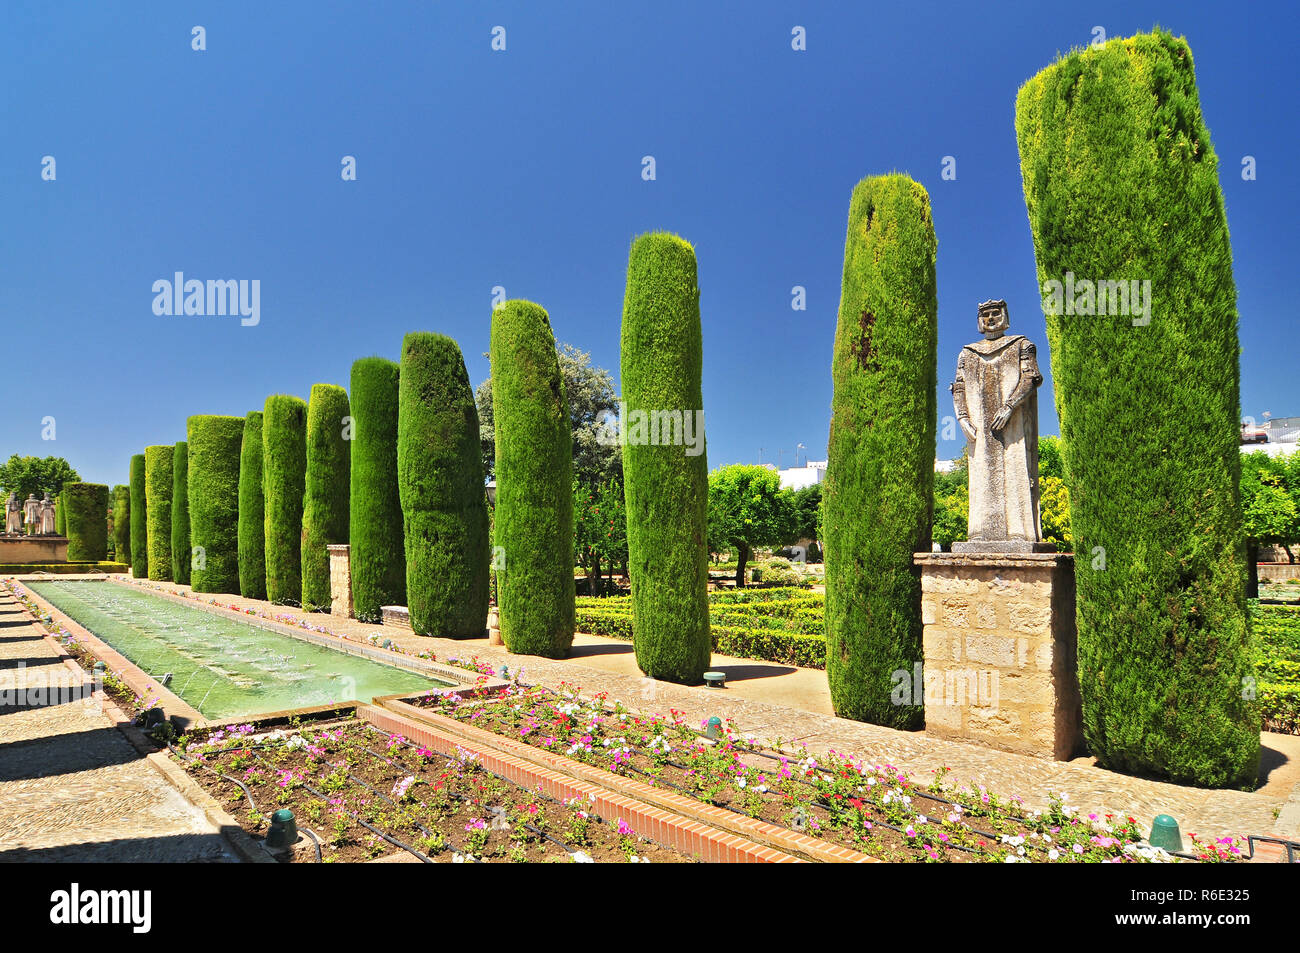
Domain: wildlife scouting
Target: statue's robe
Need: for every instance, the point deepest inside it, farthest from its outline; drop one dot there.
(32, 513)
(13, 517)
(47, 518)
(1004, 465)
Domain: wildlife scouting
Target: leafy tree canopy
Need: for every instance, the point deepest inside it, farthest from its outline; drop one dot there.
(39, 475)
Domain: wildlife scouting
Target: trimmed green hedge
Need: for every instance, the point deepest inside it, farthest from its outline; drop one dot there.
(666, 488)
(158, 500)
(64, 569)
(284, 477)
(1276, 652)
(60, 523)
(214, 445)
(534, 472)
(440, 480)
(180, 515)
(139, 520)
(252, 511)
(121, 523)
(377, 553)
(86, 513)
(325, 504)
(880, 472)
(1121, 185)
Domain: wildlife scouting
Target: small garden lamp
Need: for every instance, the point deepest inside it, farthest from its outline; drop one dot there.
(284, 830)
(714, 729)
(1165, 834)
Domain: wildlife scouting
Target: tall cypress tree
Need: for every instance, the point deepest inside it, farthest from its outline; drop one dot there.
(284, 477)
(86, 506)
(325, 506)
(139, 520)
(252, 511)
(180, 515)
(158, 496)
(1122, 188)
(214, 442)
(440, 480)
(666, 476)
(377, 553)
(880, 470)
(534, 468)
(122, 523)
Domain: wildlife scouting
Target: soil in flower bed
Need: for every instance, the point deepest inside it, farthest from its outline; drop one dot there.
(341, 779)
(875, 809)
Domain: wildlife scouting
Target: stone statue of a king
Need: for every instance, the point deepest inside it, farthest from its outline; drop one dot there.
(995, 396)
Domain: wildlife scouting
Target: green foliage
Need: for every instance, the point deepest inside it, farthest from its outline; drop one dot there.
(806, 513)
(746, 509)
(1051, 457)
(180, 543)
(952, 504)
(284, 476)
(158, 502)
(590, 392)
(39, 475)
(214, 458)
(880, 475)
(440, 481)
(325, 508)
(665, 487)
(599, 529)
(86, 511)
(1054, 508)
(252, 511)
(377, 552)
(121, 523)
(1121, 185)
(139, 520)
(60, 524)
(1277, 665)
(534, 500)
(1270, 498)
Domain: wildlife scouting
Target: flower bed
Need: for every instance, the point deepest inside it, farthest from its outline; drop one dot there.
(875, 809)
(364, 793)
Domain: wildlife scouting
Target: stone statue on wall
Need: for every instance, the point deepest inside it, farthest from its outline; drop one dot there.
(32, 514)
(995, 396)
(47, 516)
(13, 515)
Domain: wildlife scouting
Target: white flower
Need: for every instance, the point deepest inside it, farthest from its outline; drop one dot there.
(1053, 854)
(1077, 848)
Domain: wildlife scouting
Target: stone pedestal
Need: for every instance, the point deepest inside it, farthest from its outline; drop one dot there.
(1000, 651)
(340, 580)
(33, 549)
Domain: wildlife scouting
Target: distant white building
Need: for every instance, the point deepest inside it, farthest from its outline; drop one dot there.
(800, 478)
(945, 466)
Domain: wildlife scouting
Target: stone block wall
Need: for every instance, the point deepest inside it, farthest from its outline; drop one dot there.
(1000, 651)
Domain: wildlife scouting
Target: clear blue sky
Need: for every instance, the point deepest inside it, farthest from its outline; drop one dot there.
(523, 169)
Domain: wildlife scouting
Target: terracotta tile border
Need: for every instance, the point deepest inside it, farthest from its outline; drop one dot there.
(687, 835)
(664, 806)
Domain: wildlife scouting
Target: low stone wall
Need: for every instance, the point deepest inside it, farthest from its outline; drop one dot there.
(1000, 651)
(33, 549)
(1278, 572)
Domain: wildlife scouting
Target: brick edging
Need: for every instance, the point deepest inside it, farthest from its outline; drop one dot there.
(770, 836)
(684, 834)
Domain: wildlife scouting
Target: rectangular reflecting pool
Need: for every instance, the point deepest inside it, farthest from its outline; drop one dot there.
(223, 667)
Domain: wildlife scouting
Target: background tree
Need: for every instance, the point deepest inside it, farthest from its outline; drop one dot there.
(880, 471)
(39, 475)
(251, 536)
(284, 479)
(377, 552)
(952, 504)
(1269, 505)
(139, 520)
(121, 500)
(806, 513)
(1121, 185)
(215, 444)
(87, 518)
(747, 509)
(158, 486)
(590, 391)
(326, 501)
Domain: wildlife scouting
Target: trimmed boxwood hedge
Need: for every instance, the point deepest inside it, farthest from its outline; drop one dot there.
(1121, 185)
(284, 477)
(214, 442)
(252, 511)
(534, 472)
(139, 520)
(60, 524)
(86, 509)
(180, 515)
(121, 523)
(880, 472)
(666, 489)
(376, 549)
(440, 481)
(325, 504)
(158, 497)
